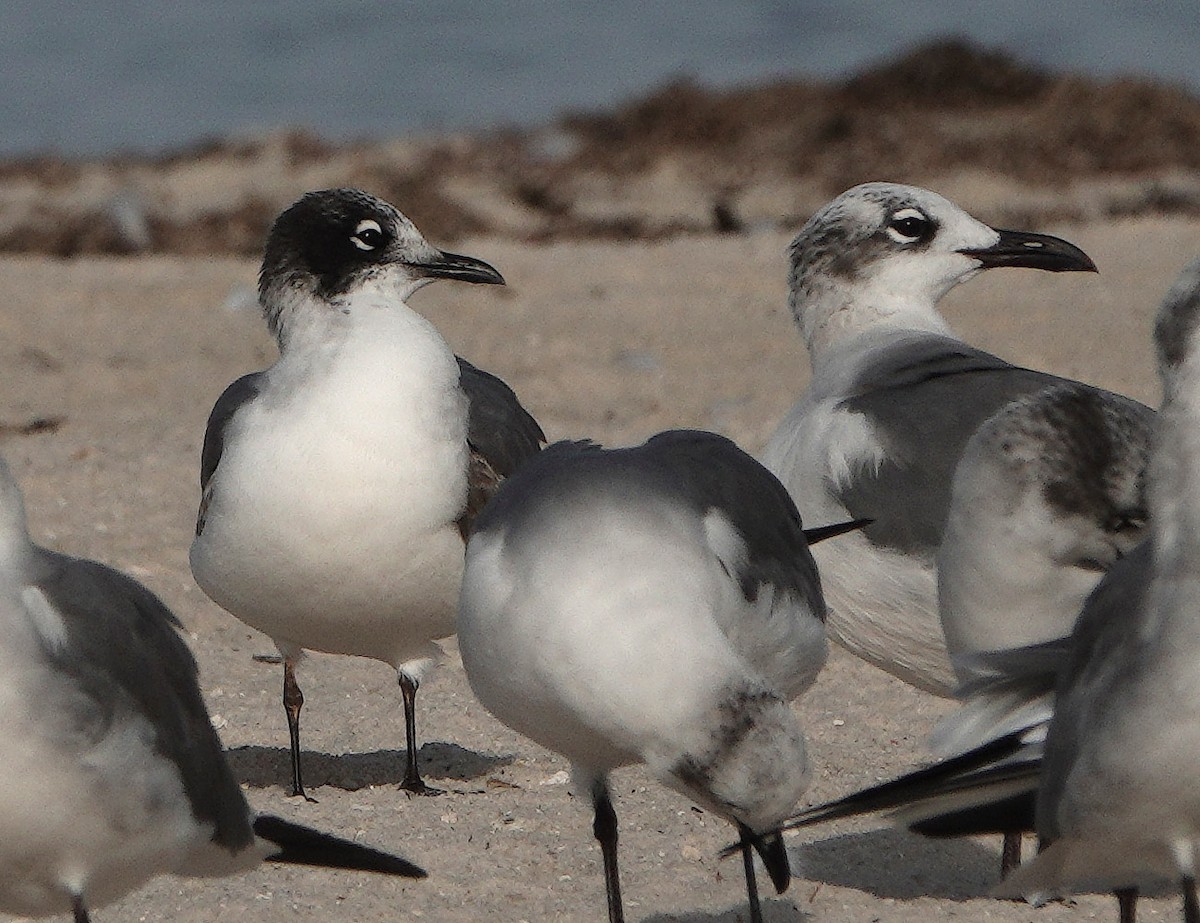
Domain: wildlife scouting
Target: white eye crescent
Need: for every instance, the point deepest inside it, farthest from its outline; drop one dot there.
(368, 235)
(907, 225)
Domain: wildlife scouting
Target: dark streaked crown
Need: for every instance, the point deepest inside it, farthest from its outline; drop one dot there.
(861, 224)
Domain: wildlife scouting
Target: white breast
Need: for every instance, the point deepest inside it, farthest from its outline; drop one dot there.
(332, 519)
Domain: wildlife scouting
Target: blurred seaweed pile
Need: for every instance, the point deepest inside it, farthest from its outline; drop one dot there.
(1011, 142)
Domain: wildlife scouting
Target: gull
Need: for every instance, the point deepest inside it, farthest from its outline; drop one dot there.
(1050, 493)
(111, 772)
(1117, 802)
(894, 397)
(654, 605)
(340, 483)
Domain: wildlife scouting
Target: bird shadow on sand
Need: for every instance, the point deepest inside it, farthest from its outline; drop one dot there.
(265, 767)
(892, 863)
(774, 910)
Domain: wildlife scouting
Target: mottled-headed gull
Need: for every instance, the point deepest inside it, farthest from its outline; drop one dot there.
(339, 484)
(111, 772)
(893, 399)
(1049, 494)
(1118, 803)
(653, 605)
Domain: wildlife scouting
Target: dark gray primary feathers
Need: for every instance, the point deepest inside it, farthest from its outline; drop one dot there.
(697, 470)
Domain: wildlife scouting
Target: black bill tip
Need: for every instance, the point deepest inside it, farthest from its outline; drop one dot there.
(773, 853)
(462, 268)
(1033, 251)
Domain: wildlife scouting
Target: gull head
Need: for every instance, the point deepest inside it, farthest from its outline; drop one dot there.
(1176, 324)
(885, 254)
(331, 244)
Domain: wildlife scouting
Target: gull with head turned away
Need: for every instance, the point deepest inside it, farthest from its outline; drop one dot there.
(654, 605)
(1117, 803)
(1050, 495)
(111, 772)
(339, 484)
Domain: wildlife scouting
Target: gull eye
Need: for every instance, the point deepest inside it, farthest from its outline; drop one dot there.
(368, 235)
(908, 225)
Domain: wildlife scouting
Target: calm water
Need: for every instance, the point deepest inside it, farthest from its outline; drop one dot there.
(90, 78)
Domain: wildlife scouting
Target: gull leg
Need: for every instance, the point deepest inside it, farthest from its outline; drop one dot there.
(604, 826)
(1010, 853)
(412, 777)
(751, 880)
(293, 701)
(1191, 907)
(79, 910)
(1126, 904)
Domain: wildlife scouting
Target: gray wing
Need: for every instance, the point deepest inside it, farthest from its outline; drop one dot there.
(924, 400)
(1012, 690)
(242, 391)
(1033, 668)
(124, 653)
(1104, 652)
(498, 427)
(708, 471)
(501, 434)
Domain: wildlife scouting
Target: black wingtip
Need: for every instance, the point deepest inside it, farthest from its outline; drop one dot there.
(300, 845)
(820, 533)
(773, 853)
(905, 789)
(1016, 814)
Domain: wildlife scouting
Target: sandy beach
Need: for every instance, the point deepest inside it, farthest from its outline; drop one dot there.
(112, 364)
